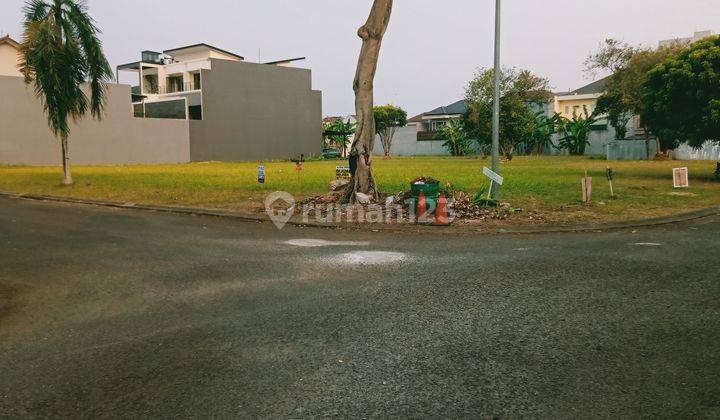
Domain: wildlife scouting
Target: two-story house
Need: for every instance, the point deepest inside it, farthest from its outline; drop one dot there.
(174, 75)
(195, 103)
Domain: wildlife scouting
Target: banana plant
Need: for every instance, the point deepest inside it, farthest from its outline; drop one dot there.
(544, 128)
(575, 132)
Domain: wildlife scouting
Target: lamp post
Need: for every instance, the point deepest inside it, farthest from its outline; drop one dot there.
(495, 190)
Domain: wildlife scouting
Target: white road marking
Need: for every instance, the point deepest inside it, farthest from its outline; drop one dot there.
(368, 258)
(318, 243)
(646, 244)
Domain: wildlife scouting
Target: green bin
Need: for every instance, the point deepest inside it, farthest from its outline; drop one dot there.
(432, 193)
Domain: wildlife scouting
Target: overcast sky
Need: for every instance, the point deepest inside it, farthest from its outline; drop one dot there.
(431, 50)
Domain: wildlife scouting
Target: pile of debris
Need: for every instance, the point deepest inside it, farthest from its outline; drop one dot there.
(462, 206)
(465, 209)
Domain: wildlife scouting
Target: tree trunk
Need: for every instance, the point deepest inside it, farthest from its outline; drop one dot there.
(386, 139)
(67, 177)
(361, 151)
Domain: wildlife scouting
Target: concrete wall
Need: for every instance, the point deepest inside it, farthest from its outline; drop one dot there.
(256, 112)
(598, 143)
(631, 149)
(405, 143)
(119, 139)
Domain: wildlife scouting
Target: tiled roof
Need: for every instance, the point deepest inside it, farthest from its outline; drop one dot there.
(595, 87)
(457, 108)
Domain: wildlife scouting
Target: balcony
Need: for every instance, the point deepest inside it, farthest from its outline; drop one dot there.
(178, 88)
(429, 136)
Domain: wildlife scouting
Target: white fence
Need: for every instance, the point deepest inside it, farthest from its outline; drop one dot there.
(709, 151)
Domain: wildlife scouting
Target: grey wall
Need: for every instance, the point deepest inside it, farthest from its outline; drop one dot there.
(405, 144)
(631, 149)
(598, 143)
(174, 109)
(256, 112)
(119, 139)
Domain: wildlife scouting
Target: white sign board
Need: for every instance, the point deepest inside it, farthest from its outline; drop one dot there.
(681, 177)
(261, 174)
(493, 176)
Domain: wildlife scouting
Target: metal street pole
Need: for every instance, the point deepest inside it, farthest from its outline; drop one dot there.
(496, 104)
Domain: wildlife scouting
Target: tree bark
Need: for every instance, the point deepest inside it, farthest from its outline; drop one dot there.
(67, 176)
(361, 151)
(386, 138)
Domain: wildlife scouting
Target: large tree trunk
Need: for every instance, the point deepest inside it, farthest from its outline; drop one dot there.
(67, 177)
(361, 151)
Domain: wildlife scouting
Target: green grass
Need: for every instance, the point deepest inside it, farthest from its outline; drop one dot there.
(549, 186)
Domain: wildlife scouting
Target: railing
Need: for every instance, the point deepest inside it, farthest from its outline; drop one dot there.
(429, 136)
(174, 88)
(162, 90)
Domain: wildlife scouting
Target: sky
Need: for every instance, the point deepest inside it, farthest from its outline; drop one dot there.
(431, 49)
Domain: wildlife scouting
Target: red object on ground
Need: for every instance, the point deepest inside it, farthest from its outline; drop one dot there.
(422, 205)
(441, 216)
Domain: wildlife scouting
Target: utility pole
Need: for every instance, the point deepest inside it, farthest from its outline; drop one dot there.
(495, 190)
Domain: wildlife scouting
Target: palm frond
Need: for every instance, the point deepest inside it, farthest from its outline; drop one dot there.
(36, 10)
(98, 68)
(60, 53)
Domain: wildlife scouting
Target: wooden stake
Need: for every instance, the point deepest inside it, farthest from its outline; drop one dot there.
(587, 188)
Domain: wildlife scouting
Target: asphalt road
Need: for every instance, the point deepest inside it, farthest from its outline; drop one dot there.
(120, 313)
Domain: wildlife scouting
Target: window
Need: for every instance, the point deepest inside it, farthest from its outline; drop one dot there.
(174, 84)
(195, 112)
(196, 81)
(637, 124)
(151, 83)
(437, 125)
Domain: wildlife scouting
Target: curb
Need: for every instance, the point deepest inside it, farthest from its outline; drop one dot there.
(262, 218)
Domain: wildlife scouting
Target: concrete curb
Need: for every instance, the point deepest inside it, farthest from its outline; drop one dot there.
(455, 229)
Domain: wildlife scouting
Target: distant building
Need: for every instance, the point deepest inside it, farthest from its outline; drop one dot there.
(697, 36)
(9, 57)
(430, 123)
(195, 103)
(421, 137)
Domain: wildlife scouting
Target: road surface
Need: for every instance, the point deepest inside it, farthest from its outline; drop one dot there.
(121, 313)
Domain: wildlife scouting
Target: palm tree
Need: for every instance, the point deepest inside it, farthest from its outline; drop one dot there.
(60, 52)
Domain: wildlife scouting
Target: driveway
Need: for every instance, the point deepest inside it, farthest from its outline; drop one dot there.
(119, 313)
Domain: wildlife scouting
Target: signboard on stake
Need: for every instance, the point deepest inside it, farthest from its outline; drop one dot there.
(493, 176)
(343, 172)
(261, 174)
(681, 177)
(494, 179)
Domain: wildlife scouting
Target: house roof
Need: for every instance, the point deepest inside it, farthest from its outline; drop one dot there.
(7, 40)
(457, 108)
(596, 87)
(416, 119)
(202, 45)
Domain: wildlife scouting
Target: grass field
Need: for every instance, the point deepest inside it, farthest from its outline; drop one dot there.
(548, 186)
